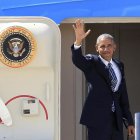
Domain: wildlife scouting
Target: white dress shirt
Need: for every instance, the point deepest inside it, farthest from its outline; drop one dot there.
(114, 66)
(116, 70)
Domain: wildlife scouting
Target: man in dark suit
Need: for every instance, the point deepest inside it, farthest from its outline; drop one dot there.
(107, 103)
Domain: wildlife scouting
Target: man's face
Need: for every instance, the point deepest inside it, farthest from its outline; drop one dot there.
(106, 48)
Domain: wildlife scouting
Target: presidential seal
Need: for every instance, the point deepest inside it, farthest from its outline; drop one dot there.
(17, 46)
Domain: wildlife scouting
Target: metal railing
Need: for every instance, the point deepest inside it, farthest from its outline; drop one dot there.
(137, 126)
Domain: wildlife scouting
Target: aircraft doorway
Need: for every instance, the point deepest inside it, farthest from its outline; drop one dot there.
(126, 32)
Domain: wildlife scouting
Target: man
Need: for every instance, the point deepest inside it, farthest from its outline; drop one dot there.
(107, 104)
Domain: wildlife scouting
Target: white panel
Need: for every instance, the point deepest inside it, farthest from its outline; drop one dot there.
(40, 78)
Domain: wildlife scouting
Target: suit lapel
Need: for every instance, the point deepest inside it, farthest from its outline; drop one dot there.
(102, 70)
(119, 65)
(121, 70)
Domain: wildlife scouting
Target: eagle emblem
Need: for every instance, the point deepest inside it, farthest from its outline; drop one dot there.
(15, 47)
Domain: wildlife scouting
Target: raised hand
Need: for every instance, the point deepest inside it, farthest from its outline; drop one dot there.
(80, 33)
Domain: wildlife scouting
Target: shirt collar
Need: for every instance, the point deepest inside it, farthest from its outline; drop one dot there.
(104, 61)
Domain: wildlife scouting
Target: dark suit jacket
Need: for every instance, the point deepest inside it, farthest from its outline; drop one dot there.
(97, 108)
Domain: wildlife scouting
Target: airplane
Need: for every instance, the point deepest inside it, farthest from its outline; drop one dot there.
(115, 16)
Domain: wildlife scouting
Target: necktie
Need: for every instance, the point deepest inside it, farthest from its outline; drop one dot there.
(114, 81)
(112, 77)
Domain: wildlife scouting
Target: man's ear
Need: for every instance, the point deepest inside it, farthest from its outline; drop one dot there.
(96, 48)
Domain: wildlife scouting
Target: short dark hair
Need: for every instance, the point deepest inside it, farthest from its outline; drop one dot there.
(106, 36)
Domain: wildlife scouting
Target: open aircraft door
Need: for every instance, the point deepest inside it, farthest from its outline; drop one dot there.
(29, 78)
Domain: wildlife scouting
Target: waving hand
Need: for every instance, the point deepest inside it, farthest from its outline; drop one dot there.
(80, 33)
